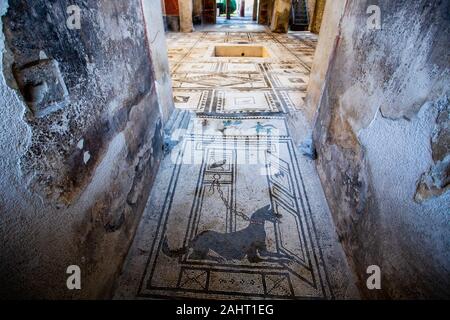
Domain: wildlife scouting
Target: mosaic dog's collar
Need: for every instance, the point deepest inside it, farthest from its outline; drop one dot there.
(261, 223)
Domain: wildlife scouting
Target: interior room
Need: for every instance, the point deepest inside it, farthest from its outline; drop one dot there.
(225, 149)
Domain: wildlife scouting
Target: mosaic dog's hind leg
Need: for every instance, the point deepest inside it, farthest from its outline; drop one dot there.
(198, 255)
(252, 257)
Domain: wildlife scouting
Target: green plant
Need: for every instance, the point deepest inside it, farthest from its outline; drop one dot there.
(222, 5)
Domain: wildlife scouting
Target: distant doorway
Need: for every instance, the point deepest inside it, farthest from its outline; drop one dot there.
(209, 11)
(239, 11)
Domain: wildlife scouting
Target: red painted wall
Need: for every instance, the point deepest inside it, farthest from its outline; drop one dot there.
(172, 8)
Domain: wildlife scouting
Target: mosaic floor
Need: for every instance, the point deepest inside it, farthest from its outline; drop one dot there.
(235, 212)
(227, 85)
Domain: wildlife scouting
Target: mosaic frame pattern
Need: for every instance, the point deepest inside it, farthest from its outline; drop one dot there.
(304, 278)
(285, 73)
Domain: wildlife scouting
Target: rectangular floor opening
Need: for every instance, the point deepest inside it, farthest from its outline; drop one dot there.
(241, 51)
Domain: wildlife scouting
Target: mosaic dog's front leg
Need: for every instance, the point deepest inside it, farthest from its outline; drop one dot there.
(273, 256)
(253, 257)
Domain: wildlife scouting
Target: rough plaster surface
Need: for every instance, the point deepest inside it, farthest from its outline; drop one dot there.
(416, 234)
(436, 180)
(373, 136)
(73, 184)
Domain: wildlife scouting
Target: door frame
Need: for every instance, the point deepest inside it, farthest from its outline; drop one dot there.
(205, 17)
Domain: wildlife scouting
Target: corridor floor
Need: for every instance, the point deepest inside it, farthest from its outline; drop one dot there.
(205, 83)
(235, 211)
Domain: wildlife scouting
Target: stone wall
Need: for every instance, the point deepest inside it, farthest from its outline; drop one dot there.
(382, 135)
(75, 180)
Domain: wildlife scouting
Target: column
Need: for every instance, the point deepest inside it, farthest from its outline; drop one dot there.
(197, 12)
(316, 19)
(228, 9)
(255, 10)
(263, 11)
(186, 8)
(242, 13)
(270, 9)
(280, 17)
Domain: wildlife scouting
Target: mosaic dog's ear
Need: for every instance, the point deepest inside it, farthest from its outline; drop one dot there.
(247, 243)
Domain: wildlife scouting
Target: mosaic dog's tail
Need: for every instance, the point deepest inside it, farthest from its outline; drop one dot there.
(172, 253)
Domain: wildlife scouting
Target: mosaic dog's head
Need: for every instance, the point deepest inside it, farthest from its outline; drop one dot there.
(266, 214)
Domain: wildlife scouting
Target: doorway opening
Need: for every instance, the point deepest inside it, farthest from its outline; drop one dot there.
(227, 12)
(239, 11)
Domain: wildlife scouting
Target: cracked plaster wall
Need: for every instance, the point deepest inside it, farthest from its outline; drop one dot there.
(381, 125)
(74, 183)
